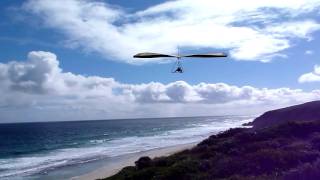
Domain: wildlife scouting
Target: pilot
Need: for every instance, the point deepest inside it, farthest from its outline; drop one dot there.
(178, 70)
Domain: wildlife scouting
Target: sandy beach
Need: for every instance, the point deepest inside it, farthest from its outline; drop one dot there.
(112, 168)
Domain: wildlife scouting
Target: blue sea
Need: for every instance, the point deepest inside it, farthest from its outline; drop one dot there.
(61, 150)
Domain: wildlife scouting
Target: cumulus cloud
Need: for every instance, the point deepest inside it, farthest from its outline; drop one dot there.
(38, 88)
(250, 30)
(312, 76)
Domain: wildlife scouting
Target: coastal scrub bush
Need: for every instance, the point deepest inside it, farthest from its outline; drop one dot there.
(180, 170)
(306, 171)
(143, 162)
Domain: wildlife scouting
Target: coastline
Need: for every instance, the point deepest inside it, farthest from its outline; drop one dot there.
(114, 167)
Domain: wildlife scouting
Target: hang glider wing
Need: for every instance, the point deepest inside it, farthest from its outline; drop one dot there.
(151, 55)
(209, 55)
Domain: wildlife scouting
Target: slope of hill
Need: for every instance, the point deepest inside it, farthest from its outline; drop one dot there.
(305, 112)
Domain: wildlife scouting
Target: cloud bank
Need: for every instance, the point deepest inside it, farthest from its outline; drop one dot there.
(250, 30)
(39, 89)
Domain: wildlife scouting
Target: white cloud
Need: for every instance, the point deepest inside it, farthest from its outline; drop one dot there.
(312, 76)
(38, 89)
(251, 30)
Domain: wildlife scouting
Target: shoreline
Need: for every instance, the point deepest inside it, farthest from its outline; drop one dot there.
(111, 168)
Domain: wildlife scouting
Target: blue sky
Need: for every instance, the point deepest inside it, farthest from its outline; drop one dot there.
(271, 45)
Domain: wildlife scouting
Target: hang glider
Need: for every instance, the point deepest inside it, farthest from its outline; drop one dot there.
(157, 55)
(178, 65)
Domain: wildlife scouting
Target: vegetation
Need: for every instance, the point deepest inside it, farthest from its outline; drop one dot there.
(288, 151)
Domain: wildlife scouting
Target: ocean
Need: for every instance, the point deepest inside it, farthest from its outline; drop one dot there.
(60, 150)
